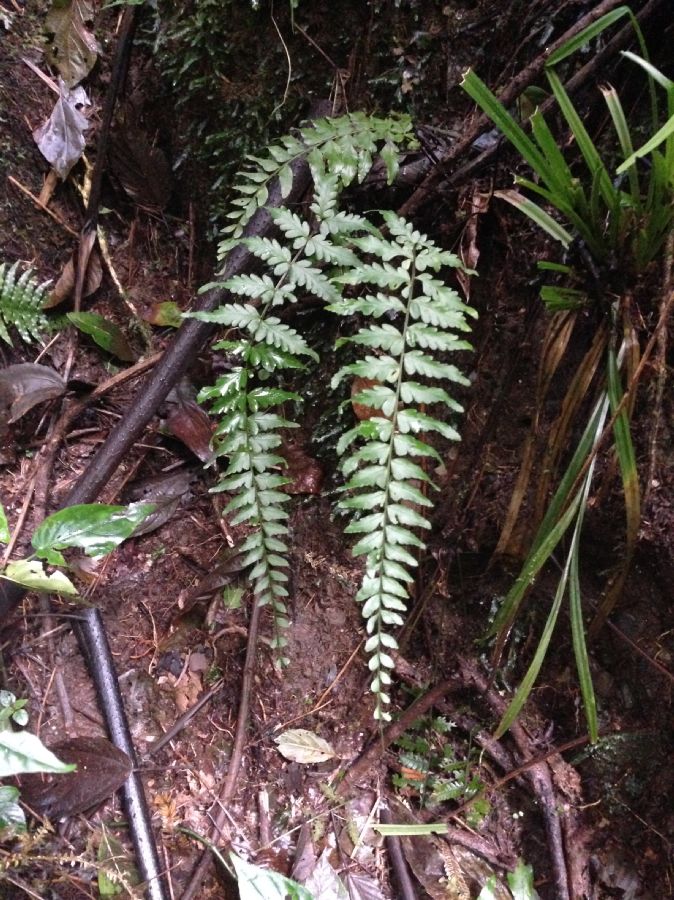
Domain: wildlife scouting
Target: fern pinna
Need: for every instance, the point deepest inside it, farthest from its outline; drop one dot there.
(21, 303)
(385, 472)
(323, 255)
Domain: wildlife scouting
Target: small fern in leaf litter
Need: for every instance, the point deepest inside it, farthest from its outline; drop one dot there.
(385, 472)
(21, 303)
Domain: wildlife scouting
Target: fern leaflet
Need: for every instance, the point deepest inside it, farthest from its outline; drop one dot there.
(21, 303)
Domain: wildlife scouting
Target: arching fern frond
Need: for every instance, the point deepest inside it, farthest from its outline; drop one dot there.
(343, 147)
(21, 301)
(386, 480)
(415, 320)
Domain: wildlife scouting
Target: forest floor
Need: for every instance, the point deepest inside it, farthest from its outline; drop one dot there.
(176, 641)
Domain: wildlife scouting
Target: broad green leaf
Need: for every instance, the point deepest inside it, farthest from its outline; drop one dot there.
(521, 882)
(256, 883)
(94, 528)
(21, 751)
(104, 333)
(31, 574)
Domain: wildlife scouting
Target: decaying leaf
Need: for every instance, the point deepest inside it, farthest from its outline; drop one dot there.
(361, 411)
(302, 746)
(73, 49)
(23, 386)
(61, 138)
(305, 472)
(446, 872)
(190, 424)
(324, 883)
(104, 333)
(473, 206)
(363, 887)
(66, 283)
(166, 314)
(102, 768)
(165, 491)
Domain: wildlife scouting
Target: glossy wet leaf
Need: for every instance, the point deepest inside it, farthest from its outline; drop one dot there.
(61, 138)
(23, 386)
(30, 574)
(4, 526)
(21, 751)
(95, 528)
(102, 768)
(73, 49)
(104, 333)
(302, 746)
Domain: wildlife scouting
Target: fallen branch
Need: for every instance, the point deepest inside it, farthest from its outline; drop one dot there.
(175, 361)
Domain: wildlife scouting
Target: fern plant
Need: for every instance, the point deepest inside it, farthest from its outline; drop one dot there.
(323, 255)
(385, 472)
(21, 302)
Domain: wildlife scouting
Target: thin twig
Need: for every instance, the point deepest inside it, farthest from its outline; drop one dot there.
(41, 205)
(184, 720)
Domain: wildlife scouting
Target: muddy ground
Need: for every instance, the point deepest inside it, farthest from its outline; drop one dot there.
(174, 639)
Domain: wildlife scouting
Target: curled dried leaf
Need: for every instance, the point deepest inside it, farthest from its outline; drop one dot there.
(23, 386)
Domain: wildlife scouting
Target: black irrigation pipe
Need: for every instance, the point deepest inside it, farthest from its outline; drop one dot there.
(96, 651)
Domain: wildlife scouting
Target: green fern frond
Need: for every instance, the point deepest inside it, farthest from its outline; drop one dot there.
(385, 476)
(21, 301)
(343, 147)
(415, 321)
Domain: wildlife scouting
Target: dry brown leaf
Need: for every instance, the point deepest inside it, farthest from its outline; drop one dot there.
(66, 283)
(23, 386)
(305, 473)
(102, 768)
